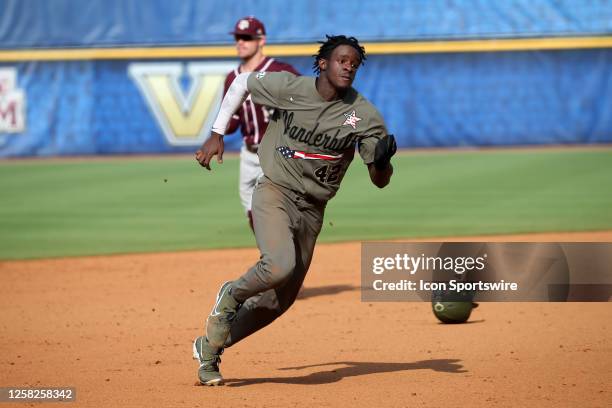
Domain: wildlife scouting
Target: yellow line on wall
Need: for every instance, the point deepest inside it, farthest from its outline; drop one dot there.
(409, 47)
(524, 44)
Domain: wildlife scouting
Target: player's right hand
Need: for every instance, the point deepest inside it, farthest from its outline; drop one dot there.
(211, 147)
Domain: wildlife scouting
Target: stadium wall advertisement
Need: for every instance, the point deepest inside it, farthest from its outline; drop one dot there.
(130, 107)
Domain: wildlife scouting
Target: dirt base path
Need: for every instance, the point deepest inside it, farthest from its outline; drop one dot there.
(120, 328)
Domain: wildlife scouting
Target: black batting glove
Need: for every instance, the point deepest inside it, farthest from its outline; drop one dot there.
(385, 149)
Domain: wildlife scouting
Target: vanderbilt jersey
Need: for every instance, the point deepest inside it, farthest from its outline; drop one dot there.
(310, 142)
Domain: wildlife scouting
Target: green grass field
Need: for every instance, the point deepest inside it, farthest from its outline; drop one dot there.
(75, 207)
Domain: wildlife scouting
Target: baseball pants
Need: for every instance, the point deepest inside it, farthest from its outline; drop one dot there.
(286, 229)
(250, 171)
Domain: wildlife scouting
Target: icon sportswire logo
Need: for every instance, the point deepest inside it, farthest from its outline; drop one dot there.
(185, 116)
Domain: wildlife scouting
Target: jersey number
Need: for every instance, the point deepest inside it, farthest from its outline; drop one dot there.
(328, 173)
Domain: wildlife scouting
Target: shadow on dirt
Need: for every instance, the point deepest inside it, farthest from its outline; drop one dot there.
(343, 369)
(461, 324)
(325, 290)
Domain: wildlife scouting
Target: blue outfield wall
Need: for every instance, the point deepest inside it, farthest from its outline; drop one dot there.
(428, 100)
(452, 99)
(90, 23)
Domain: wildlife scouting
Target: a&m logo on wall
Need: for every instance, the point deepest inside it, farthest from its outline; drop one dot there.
(12, 102)
(185, 116)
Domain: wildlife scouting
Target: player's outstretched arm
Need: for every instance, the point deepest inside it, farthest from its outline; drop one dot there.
(381, 169)
(236, 94)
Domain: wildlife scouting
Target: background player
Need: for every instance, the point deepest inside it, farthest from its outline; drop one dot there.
(308, 147)
(250, 36)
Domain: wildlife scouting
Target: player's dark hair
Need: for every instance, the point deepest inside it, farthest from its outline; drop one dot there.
(333, 41)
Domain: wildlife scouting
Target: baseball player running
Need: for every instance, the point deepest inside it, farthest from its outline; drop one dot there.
(309, 144)
(250, 36)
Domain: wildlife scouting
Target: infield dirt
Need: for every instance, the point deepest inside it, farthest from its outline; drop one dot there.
(120, 328)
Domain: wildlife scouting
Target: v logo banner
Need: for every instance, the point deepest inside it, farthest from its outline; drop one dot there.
(184, 119)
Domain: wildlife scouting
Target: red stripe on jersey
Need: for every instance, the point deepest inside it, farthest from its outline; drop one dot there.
(312, 156)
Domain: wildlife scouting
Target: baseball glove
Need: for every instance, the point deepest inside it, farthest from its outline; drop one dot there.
(385, 149)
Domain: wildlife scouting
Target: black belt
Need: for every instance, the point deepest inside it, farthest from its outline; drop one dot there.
(252, 148)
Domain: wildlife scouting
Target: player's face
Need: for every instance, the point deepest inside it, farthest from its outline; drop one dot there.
(342, 65)
(247, 46)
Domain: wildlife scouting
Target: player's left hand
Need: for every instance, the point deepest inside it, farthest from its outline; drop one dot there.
(212, 146)
(385, 149)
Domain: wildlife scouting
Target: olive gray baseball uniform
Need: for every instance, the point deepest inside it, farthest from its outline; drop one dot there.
(304, 155)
